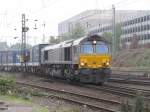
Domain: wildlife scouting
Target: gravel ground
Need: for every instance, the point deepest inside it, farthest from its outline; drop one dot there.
(56, 105)
(19, 108)
(145, 87)
(9, 106)
(64, 86)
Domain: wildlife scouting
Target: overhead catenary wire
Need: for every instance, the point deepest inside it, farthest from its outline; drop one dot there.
(42, 8)
(51, 2)
(126, 3)
(33, 12)
(121, 2)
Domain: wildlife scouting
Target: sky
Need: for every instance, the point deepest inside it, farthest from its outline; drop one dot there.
(50, 13)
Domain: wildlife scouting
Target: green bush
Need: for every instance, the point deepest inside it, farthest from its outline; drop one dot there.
(22, 92)
(125, 107)
(6, 86)
(139, 105)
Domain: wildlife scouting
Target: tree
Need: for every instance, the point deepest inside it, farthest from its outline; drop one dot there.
(17, 46)
(134, 42)
(65, 36)
(139, 103)
(4, 46)
(107, 36)
(118, 36)
(54, 40)
(77, 32)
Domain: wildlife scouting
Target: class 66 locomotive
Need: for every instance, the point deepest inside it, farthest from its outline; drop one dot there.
(86, 59)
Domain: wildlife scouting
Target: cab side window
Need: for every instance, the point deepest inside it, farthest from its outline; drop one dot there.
(45, 55)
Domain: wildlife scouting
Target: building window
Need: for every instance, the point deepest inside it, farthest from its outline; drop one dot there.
(148, 27)
(144, 18)
(139, 20)
(125, 23)
(136, 20)
(139, 29)
(148, 36)
(145, 28)
(128, 30)
(134, 29)
(131, 30)
(142, 28)
(45, 55)
(148, 17)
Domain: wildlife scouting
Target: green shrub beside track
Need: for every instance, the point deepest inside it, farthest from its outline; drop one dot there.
(139, 105)
(139, 58)
(10, 92)
(6, 86)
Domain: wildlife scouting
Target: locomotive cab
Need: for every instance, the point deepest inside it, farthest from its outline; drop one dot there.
(94, 60)
(85, 59)
(94, 54)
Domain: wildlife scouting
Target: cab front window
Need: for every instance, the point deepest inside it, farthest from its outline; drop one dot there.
(101, 49)
(87, 48)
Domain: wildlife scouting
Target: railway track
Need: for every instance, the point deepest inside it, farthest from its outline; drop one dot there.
(127, 92)
(92, 101)
(131, 69)
(119, 90)
(130, 81)
(130, 76)
(79, 98)
(122, 91)
(132, 73)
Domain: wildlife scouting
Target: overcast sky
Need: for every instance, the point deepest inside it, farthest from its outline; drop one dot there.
(51, 12)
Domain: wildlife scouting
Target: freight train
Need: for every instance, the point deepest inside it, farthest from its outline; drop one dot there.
(86, 59)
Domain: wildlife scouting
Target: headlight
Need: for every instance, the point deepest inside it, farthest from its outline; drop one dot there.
(107, 63)
(82, 63)
(94, 42)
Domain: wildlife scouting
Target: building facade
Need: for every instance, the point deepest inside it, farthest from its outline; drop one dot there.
(138, 26)
(134, 23)
(87, 19)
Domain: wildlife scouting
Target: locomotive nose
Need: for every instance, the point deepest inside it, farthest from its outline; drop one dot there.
(94, 61)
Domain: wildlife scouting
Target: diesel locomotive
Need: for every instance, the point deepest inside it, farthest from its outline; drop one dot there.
(86, 59)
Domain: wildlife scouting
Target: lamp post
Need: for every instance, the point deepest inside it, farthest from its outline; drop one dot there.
(23, 42)
(44, 32)
(35, 27)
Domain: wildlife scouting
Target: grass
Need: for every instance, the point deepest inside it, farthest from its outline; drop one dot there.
(18, 100)
(139, 105)
(139, 58)
(40, 109)
(7, 83)
(22, 95)
(15, 100)
(67, 109)
(7, 75)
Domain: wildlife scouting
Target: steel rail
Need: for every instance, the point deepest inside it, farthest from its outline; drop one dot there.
(77, 94)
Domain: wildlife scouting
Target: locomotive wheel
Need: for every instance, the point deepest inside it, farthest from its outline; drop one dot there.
(68, 74)
(99, 83)
(52, 74)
